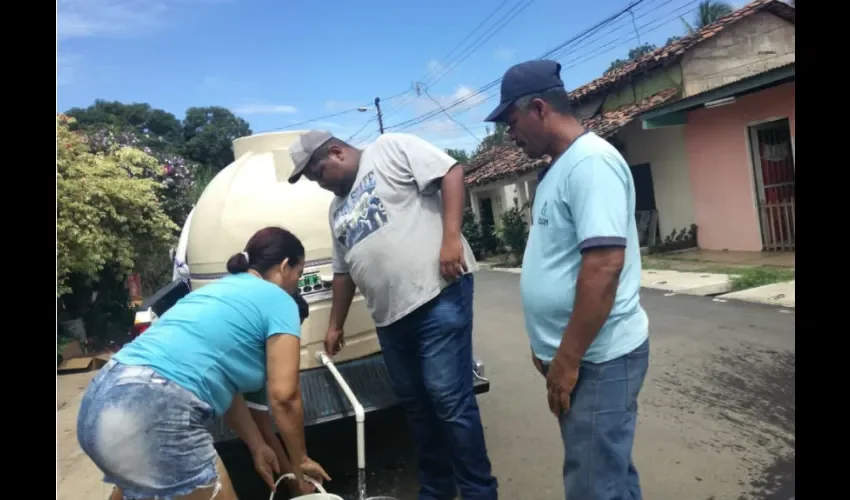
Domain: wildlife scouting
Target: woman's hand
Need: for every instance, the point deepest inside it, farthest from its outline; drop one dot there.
(311, 468)
(265, 462)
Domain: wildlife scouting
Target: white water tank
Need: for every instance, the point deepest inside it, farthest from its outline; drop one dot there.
(252, 193)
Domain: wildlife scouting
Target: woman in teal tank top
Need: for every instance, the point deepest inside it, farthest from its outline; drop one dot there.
(142, 418)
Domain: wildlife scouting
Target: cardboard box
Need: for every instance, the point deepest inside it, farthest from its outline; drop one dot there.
(75, 361)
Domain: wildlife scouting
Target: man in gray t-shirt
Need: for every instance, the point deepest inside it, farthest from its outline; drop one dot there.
(396, 224)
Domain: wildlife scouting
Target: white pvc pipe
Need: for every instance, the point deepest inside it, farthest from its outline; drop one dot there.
(359, 414)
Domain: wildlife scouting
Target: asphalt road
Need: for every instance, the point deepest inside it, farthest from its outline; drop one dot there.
(717, 413)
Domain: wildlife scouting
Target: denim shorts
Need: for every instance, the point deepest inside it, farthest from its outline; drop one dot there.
(146, 433)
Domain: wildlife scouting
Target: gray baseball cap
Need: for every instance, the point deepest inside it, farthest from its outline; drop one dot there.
(303, 148)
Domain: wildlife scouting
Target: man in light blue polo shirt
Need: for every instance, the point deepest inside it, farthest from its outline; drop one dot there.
(580, 283)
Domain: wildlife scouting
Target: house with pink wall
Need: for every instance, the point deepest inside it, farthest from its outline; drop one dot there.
(702, 122)
(736, 114)
(739, 142)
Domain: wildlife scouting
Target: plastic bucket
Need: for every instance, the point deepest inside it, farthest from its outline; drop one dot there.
(320, 495)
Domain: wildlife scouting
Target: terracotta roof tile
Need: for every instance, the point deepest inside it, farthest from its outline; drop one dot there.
(671, 53)
(508, 160)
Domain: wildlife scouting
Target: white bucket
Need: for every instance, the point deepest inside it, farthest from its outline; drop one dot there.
(321, 495)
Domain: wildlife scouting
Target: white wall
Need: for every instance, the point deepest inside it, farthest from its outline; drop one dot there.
(664, 150)
(502, 194)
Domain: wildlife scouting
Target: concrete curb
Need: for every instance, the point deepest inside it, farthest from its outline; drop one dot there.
(685, 283)
(776, 294)
(703, 284)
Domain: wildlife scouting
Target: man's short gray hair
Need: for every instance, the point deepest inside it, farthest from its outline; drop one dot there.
(557, 98)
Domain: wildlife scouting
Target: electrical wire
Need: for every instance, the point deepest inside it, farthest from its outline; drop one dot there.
(582, 37)
(447, 68)
(429, 115)
(450, 116)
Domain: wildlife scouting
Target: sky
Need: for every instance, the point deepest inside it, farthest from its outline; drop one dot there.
(279, 63)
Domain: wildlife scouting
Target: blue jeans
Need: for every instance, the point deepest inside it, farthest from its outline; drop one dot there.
(598, 431)
(146, 433)
(428, 354)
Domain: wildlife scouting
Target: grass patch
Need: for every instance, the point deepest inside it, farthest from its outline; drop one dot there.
(752, 277)
(688, 266)
(743, 276)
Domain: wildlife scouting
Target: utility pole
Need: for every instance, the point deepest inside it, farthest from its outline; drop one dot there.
(380, 117)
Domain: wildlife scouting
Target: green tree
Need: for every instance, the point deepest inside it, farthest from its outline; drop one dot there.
(154, 128)
(634, 53)
(209, 134)
(460, 155)
(107, 212)
(497, 137)
(708, 12)
(514, 231)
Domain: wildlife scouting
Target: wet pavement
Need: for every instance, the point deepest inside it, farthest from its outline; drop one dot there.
(717, 413)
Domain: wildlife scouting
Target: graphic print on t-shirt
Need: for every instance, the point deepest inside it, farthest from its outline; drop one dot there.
(362, 214)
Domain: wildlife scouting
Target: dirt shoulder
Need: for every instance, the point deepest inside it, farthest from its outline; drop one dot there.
(77, 478)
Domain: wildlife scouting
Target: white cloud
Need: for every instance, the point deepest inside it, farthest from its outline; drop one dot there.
(97, 18)
(265, 109)
(91, 18)
(504, 54)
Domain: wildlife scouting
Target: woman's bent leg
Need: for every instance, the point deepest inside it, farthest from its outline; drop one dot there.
(222, 489)
(219, 490)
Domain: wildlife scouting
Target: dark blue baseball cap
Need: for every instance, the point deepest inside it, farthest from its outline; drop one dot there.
(526, 78)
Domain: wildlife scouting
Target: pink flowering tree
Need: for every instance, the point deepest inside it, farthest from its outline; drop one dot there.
(175, 175)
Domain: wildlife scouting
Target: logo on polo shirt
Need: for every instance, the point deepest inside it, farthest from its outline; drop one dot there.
(541, 218)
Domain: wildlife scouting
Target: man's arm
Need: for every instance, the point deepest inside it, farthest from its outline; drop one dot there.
(596, 290)
(453, 195)
(425, 165)
(598, 195)
(343, 293)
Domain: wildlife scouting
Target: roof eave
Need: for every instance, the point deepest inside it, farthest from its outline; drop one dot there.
(761, 81)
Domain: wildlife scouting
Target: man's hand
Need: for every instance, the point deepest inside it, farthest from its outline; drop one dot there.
(560, 382)
(334, 341)
(452, 262)
(265, 462)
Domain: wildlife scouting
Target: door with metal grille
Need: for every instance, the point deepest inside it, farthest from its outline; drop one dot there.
(774, 173)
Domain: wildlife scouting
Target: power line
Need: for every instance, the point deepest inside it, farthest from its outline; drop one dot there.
(425, 76)
(319, 118)
(629, 38)
(450, 116)
(361, 128)
(561, 48)
(426, 116)
(577, 61)
(504, 20)
(445, 58)
(446, 69)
